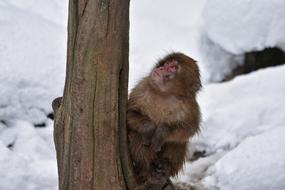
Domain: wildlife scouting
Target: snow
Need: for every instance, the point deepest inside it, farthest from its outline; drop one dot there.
(257, 163)
(232, 28)
(159, 27)
(32, 56)
(248, 105)
(246, 25)
(30, 163)
(242, 133)
(243, 120)
(32, 60)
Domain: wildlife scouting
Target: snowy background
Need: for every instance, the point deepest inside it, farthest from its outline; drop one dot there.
(243, 130)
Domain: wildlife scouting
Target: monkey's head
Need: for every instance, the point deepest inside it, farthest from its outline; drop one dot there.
(176, 74)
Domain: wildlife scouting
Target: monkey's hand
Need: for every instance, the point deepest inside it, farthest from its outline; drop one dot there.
(156, 144)
(158, 138)
(147, 130)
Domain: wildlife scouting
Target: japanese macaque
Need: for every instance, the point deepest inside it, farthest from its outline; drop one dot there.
(162, 115)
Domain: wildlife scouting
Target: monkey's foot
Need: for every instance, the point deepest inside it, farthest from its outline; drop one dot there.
(161, 168)
(56, 103)
(158, 178)
(154, 185)
(151, 186)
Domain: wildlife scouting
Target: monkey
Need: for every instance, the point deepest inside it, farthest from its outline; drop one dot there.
(162, 115)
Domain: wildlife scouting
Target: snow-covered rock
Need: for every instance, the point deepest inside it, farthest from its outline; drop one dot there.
(231, 28)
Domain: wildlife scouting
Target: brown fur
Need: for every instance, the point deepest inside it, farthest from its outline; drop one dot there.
(161, 117)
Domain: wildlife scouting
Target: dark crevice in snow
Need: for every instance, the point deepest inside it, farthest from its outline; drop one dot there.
(197, 155)
(3, 122)
(2, 106)
(11, 145)
(256, 60)
(40, 125)
(50, 116)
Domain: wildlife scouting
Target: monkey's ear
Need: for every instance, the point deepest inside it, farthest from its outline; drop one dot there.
(196, 85)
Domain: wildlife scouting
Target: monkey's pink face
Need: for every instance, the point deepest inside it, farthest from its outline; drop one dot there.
(162, 75)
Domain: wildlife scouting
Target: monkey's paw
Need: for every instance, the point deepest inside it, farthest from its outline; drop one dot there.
(156, 145)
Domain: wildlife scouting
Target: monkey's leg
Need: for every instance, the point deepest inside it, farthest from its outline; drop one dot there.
(142, 156)
(144, 160)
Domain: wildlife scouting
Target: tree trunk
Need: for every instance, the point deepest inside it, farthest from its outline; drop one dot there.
(90, 133)
(90, 128)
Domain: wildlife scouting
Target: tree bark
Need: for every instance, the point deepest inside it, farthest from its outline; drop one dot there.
(90, 132)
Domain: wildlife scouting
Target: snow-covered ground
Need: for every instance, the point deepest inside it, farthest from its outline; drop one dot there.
(243, 120)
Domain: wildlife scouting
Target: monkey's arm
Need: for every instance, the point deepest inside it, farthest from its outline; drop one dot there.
(182, 132)
(141, 124)
(177, 133)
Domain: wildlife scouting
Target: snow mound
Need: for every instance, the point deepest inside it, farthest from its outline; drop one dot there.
(232, 28)
(242, 133)
(245, 25)
(256, 164)
(248, 105)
